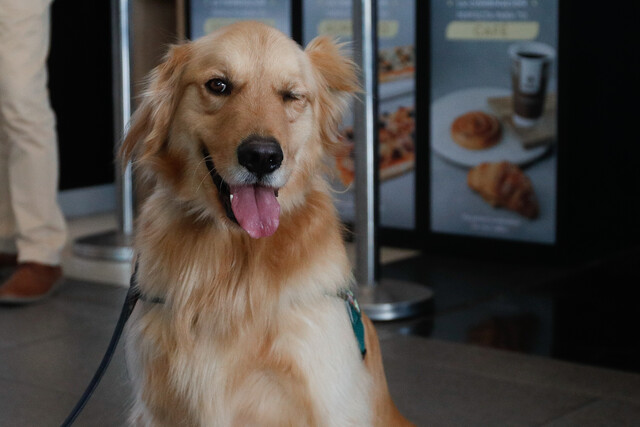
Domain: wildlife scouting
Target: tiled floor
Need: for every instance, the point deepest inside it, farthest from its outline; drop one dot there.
(48, 353)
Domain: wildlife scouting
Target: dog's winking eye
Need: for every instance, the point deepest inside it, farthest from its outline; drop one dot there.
(288, 96)
(219, 86)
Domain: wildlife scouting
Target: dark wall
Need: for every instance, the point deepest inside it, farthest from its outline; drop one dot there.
(599, 69)
(81, 91)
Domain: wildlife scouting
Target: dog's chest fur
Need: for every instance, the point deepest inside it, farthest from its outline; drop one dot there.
(242, 342)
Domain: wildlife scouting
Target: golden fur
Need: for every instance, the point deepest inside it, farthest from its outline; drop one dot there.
(251, 332)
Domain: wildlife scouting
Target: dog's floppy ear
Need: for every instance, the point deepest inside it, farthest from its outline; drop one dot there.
(150, 123)
(337, 79)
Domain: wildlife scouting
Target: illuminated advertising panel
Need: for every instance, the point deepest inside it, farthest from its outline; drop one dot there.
(396, 103)
(493, 118)
(206, 16)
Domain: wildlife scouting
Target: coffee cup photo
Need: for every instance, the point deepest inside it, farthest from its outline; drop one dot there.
(530, 69)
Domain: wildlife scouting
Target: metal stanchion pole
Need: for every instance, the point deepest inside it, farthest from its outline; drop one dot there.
(116, 245)
(381, 299)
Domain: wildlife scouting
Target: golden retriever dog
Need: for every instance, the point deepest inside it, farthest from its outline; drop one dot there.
(241, 258)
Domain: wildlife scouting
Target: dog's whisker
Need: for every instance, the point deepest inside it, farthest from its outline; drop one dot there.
(197, 166)
(220, 186)
(201, 181)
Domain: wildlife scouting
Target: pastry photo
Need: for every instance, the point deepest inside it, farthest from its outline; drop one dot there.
(466, 131)
(504, 185)
(476, 130)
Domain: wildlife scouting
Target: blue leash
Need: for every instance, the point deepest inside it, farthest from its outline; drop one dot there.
(129, 303)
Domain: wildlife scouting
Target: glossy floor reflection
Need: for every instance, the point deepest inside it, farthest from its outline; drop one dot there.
(583, 313)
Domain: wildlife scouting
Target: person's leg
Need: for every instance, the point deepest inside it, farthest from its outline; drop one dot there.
(29, 128)
(7, 223)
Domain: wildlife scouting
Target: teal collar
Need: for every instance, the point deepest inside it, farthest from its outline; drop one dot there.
(152, 300)
(356, 318)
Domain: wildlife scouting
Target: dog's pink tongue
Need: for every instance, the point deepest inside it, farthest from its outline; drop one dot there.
(256, 209)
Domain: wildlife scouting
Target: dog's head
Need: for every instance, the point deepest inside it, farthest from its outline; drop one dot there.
(236, 123)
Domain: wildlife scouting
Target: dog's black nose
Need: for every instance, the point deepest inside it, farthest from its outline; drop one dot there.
(260, 155)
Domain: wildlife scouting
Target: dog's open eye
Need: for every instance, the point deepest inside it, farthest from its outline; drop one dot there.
(218, 86)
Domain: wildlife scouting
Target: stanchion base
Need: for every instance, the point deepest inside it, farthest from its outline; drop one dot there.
(110, 246)
(392, 299)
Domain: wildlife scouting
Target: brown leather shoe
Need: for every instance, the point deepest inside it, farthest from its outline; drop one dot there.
(8, 260)
(31, 282)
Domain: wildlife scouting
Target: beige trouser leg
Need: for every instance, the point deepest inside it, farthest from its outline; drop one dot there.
(31, 221)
